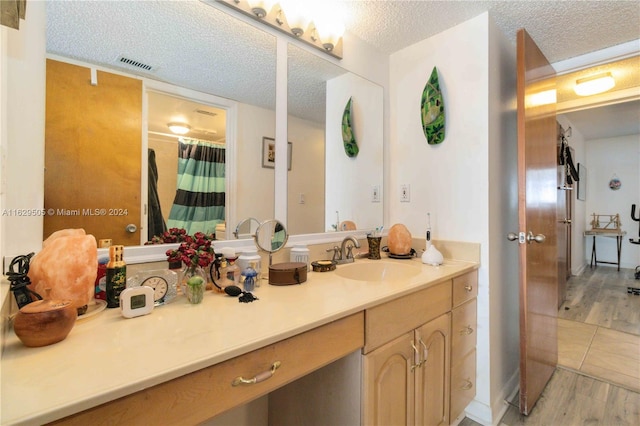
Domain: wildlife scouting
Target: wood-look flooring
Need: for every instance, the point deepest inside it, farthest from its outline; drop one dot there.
(599, 296)
(597, 381)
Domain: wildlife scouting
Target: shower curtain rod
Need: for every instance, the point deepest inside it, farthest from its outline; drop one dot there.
(170, 135)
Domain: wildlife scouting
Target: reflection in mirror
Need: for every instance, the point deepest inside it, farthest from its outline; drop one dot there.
(271, 236)
(189, 45)
(246, 228)
(327, 186)
(179, 161)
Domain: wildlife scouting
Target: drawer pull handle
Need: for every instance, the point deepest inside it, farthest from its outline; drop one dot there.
(468, 288)
(261, 377)
(467, 385)
(466, 331)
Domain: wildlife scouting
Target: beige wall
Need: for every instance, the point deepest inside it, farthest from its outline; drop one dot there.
(23, 102)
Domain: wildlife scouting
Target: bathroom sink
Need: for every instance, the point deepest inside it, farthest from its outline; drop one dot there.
(378, 271)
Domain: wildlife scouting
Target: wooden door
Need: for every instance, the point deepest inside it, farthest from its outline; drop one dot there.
(93, 137)
(432, 386)
(537, 201)
(389, 383)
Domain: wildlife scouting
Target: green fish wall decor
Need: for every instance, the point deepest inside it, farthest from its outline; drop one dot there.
(432, 110)
(349, 139)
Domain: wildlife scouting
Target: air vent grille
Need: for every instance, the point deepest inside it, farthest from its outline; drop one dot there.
(205, 112)
(135, 64)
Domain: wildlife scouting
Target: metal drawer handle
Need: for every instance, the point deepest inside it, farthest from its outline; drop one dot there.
(466, 331)
(425, 351)
(467, 385)
(468, 288)
(416, 358)
(261, 377)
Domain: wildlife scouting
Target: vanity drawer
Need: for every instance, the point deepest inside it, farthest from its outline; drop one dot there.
(463, 384)
(196, 397)
(465, 287)
(389, 320)
(463, 330)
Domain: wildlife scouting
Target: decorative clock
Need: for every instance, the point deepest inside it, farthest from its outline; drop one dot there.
(163, 282)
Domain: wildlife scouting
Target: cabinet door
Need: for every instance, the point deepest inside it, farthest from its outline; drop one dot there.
(432, 384)
(389, 383)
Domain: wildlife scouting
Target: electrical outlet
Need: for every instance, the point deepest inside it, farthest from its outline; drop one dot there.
(405, 193)
(375, 194)
(302, 199)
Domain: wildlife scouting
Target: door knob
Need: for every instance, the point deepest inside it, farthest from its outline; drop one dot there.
(537, 238)
(131, 228)
(520, 237)
(565, 220)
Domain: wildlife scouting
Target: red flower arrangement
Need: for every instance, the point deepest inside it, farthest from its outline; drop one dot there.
(173, 235)
(194, 250)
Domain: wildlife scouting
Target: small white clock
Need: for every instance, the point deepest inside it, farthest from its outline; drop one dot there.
(136, 301)
(163, 282)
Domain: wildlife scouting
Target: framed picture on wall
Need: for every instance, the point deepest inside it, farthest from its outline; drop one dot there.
(269, 153)
(582, 182)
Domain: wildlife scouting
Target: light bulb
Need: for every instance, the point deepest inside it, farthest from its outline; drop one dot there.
(594, 84)
(179, 128)
(261, 8)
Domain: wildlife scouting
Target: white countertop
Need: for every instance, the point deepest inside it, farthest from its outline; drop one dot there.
(108, 356)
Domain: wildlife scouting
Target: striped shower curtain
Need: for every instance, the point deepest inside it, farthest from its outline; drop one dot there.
(199, 204)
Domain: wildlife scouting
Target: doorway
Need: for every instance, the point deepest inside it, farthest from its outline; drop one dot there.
(210, 118)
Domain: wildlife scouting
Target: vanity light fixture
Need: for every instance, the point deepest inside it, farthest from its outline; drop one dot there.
(179, 128)
(595, 84)
(291, 18)
(260, 8)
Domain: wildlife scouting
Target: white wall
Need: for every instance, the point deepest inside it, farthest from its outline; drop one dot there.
(306, 177)
(467, 182)
(255, 183)
(349, 180)
(606, 158)
(23, 83)
(503, 294)
(578, 225)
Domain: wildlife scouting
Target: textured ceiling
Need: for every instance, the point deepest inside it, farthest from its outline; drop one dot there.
(562, 29)
(202, 47)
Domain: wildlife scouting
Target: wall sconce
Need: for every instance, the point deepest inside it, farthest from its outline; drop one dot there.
(288, 18)
(595, 84)
(179, 128)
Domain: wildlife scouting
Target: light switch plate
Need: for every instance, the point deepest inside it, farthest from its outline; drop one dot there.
(405, 193)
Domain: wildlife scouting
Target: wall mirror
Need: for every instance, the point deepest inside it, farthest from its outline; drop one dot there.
(325, 187)
(194, 48)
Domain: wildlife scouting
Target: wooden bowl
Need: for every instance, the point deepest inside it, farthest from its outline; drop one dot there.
(44, 322)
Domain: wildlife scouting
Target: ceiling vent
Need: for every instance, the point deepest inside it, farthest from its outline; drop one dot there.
(205, 112)
(132, 63)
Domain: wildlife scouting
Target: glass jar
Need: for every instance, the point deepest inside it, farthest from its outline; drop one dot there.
(300, 253)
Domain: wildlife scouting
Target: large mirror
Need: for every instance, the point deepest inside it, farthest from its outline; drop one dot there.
(184, 50)
(201, 58)
(327, 189)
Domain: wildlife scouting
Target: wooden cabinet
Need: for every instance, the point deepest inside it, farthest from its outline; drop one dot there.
(196, 397)
(463, 342)
(389, 392)
(419, 363)
(406, 380)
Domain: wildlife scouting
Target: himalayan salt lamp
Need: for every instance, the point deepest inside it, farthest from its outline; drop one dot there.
(67, 265)
(399, 240)
(63, 233)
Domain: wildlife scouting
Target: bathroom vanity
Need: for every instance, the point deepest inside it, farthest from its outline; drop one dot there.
(179, 363)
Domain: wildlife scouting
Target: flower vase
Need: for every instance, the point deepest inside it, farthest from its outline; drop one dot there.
(194, 281)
